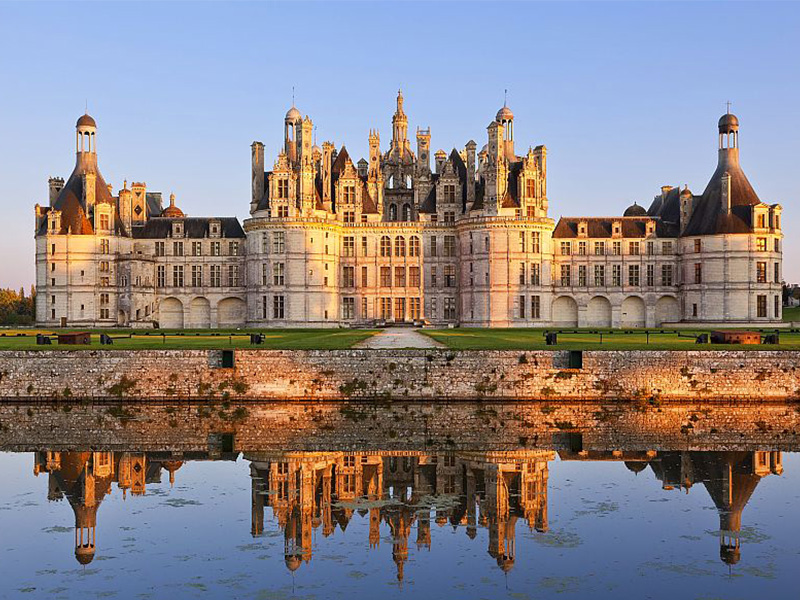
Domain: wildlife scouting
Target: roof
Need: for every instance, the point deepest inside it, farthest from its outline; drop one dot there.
(602, 227)
(634, 210)
(86, 121)
(667, 207)
(193, 227)
(504, 114)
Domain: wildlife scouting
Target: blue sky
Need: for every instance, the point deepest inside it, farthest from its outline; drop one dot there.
(624, 95)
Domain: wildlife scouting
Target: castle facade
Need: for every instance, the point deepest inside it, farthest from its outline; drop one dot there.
(467, 241)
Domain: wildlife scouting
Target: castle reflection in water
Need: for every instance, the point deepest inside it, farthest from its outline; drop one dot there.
(310, 491)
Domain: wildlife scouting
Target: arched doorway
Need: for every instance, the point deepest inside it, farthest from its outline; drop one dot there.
(565, 312)
(633, 313)
(598, 313)
(667, 310)
(170, 314)
(231, 312)
(199, 314)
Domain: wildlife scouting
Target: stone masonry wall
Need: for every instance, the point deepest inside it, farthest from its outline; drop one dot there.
(437, 375)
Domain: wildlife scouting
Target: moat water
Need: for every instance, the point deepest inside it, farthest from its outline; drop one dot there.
(116, 502)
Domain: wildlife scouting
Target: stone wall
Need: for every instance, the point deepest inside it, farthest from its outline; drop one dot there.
(387, 375)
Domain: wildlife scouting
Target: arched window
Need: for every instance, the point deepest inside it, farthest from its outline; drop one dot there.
(400, 246)
(393, 212)
(413, 246)
(386, 246)
(406, 212)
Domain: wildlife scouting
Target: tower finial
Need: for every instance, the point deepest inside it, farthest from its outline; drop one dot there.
(292, 95)
(505, 97)
(728, 103)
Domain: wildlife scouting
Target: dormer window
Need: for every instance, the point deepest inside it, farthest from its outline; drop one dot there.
(761, 220)
(283, 188)
(582, 229)
(348, 194)
(104, 221)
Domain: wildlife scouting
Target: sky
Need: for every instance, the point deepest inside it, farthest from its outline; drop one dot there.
(625, 96)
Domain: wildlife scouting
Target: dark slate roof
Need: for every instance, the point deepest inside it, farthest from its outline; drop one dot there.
(194, 228)
(708, 217)
(634, 210)
(668, 209)
(480, 191)
(602, 227)
(428, 205)
(368, 205)
(511, 197)
(154, 203)
(263, 204)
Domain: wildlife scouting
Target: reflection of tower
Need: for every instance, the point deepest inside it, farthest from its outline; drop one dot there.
(502, 538)
(400, 527)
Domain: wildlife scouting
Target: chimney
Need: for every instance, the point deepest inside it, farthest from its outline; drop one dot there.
(55, 184)
(665, 189)
(471, 145)
(327, 166)
(725, 193)
(258, 174)
(441, 158)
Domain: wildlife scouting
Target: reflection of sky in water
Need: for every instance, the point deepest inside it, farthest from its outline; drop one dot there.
(612, 534)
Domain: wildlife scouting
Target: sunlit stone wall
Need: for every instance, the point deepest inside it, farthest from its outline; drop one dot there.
(385, 375)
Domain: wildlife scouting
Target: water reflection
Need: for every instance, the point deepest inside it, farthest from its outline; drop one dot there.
(311, 492)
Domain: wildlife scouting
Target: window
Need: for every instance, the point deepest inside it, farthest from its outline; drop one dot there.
(522, 277)
(105, 246)
(666, 247)
(449, 216)
(777, 245)
(413, 277)
(283, 188)
(522, 307)
(104, 299)
(536, 274)
(761, 305)
(761, 244)
(522, 241)
(386, 277)
(283, 211)
(197, 275)
(536, 307)
(582, 248)
(536, 241)
(694, 310)
(349, 194)
(161, 276)
(633, 275)
(450, 309)
(599, 275)
(105, 282)
(197, 248)
(104, 266)
(364, 304)
(698, 272)
(566, 248)
(449, 245)
(400, 246)
(279, 242)
(761, 272)
(599, 248)
(364, 247)
(566, 275)
(348, 277)
(177, 248)
(215, 272)
(433, 314)
(449, 276)
(650, 275)
(348, 308)
(233, 248)
(777, 272)
(104, 222)
(233, 275)
(386, 308)
(349, 246)
(633, 248)
(265, 246)
(263, 307)
(617, 248)
(433, 246)
(278, 307)
(762, 221)
(433, 277)
(698, 245)
(264, 274)
(399, 309)
(349, 217)
(400, 277)
(215, 249)
(414, 307)
(386, 246)
(582, 275)
(363, 276)
(449, 194)
(530, 188)
(177, 275)
(413, 246)
(279, 274)
(666, 275)
(651, 248)
(777, 307)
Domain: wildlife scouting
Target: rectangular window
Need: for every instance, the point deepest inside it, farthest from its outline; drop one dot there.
(449, 194)
(233, 248)
(666, 247)
(348, 246)
(386, 308)
(582, 275)
(279, 242)
(651, 275)
(177, 248)
(233, 275)
(434, 248)
(522, 277)
(698, 245)
(566, 248)
(283, 211)
(522, 241)
(449, 216)
(104, 222)
(761, 244)
(450, 309)
(386, 277)
(449, 245)
(761, 272)
(777, 245)
(536, 274)
(666, 275)
(433, 277)
(215, 249)
(279, 274)
(599, 248)
(264, 274)
(617, 248)
(633, 248)
(651, 248)
(161, 276)
(283, 188)
(364, 247)
(215, 272)
(265, 246)
(633, 275)
(197, 275)
(777, 307)
(536, 307)
(278, 307)
(364, 305)
(349, 217)
(348, 277)
(414, 309)
(399, 309)
(413, 246)
(177, 275)
(777, 272)
(264, 307)
(599, 275)
(522, 307)
(159, 248)
(348, 308)
(698, 272)
(434, 307)
(536, 241)
(761, 305)
(413, 277)
(582, 248)
(197, 248)
(449, 276)
(566, 275)
(349, 194)
(364, 281)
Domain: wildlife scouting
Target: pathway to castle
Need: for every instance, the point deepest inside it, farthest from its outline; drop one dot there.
(399, 337)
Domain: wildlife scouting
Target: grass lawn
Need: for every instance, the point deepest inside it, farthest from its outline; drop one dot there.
(275, 339)
(533, 339)
(791, 313)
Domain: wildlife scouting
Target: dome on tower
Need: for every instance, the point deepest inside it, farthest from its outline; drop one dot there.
(686, 191)
(172, 210)
(84, 554)
(293, 114)
(634, 210)
(728, 122)
(86, 121)
(504, 114)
